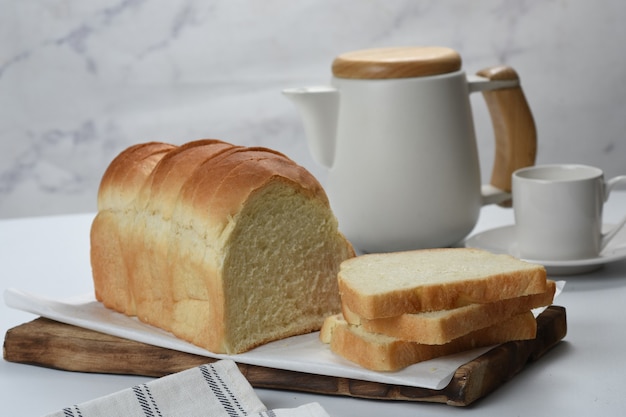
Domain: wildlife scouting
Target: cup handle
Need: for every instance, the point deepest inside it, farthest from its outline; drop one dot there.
(609, 185)
(513, 125)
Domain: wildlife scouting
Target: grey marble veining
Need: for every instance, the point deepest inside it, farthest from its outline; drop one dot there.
(81, 81)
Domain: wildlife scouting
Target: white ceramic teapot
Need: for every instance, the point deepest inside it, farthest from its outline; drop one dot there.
(396, 131)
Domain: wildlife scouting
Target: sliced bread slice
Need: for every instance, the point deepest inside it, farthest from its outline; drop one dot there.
(391, 284)
(439, 327)
(385, 353)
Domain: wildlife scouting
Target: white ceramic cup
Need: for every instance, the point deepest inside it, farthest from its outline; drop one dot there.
(558, 211)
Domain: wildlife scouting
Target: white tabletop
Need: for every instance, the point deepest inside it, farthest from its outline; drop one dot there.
(582, 376)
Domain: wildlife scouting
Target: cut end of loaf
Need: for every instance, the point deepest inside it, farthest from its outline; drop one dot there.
(289, 247)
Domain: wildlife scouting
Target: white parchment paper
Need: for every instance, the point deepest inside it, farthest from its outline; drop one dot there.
(303, 353)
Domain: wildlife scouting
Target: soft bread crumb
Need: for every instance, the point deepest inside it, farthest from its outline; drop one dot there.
(390, 284)
(385, 353)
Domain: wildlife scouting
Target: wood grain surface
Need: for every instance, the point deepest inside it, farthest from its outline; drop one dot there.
(396, 62)
(47, 343)
(513, 125)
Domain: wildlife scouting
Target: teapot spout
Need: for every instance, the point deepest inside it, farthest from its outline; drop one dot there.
(319, 110)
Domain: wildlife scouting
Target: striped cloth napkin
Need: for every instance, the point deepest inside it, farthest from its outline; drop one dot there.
(217, 389)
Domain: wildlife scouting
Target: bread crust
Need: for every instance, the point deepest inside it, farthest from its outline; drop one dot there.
(226, 181)
(149, 272)
(440, 327)
(384, 353)
(434, 295)
(120, 184)
(127, 173)
(166, 219)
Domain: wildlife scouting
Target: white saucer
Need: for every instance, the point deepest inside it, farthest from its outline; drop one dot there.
(502, 240)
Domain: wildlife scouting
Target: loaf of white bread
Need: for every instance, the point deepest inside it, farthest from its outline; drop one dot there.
(405, 307)
(227, 247)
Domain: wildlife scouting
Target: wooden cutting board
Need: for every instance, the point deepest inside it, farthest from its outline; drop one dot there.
(48, 343)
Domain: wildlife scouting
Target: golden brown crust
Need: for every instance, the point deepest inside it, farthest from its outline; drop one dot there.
(149, 276)
(160, 239)
(226, 181)
(492, 286)
(439, 297)
(382, 353)
(127, 173)
(119, 187)
(167, 177)
(107, 264)
(443, 326)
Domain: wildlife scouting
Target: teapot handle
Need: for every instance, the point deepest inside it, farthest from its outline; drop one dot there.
(513, 125)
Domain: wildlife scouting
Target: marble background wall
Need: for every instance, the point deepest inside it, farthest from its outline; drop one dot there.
(82, 80)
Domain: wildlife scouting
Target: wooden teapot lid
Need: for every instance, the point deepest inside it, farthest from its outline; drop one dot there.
(397, 62)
